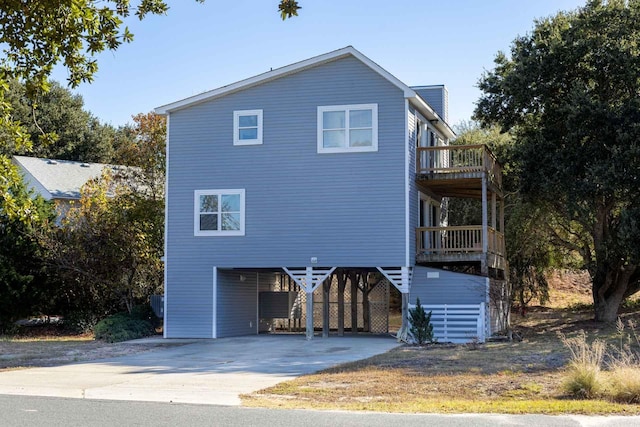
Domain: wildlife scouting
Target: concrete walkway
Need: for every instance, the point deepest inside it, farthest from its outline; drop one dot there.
(205, 371)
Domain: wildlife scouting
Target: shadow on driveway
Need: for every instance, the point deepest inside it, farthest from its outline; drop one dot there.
(205, 371)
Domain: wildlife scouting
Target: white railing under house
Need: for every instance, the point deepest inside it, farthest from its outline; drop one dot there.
(458, 323)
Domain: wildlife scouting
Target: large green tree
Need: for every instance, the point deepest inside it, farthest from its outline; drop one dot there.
(570, 91)
(109, 248)
(78, 134)
(24, 283)
(37, 35)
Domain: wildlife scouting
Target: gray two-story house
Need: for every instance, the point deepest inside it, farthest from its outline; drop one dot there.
(329, 168)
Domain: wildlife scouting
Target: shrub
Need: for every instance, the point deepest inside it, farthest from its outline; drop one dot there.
(145, 312)
(122, 327)
(421, 328)
(80, 321)
(584, 377)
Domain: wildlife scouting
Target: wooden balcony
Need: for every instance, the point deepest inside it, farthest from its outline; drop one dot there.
(461, 245)
(458, 170)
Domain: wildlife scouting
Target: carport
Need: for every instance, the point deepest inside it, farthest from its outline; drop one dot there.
(254, 301)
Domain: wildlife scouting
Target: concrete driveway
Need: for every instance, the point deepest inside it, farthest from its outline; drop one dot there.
(205, 371)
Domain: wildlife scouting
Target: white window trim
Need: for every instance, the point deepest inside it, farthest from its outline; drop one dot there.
(196, 213)
(236, 127)
(346, 108)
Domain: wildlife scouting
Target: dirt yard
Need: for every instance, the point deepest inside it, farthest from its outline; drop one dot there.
(50, 346)
(504, 377)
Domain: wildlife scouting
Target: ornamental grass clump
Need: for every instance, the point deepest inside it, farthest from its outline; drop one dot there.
(584, 376)
(624, 365)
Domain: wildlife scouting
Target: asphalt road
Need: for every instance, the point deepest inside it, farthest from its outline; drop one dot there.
(26, 411)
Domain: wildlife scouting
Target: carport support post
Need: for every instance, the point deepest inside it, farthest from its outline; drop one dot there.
(404, 329)
(326, 294)
(309, 292)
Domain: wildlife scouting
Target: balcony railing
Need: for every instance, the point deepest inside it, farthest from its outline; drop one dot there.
(458, 159)
(458, 240)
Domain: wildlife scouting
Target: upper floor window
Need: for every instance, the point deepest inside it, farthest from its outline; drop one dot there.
(348, 128)
(247, 127)
(219, 213)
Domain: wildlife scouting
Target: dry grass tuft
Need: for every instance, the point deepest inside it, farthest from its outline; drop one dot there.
(584, 376)
(624, 384)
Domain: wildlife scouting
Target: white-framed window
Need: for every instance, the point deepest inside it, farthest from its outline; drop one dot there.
(347, 128)
(247, 127)
(218, 213)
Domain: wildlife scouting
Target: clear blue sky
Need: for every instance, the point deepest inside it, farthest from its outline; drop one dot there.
(199, 47)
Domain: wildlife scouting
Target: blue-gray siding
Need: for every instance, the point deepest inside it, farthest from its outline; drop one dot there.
(343, 209)
(237, 301)
(413, 187)
(437, 97)
(448, 288)
(192, 292)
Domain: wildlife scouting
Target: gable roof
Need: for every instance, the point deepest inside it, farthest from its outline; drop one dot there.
(58, 179)
(416, 100)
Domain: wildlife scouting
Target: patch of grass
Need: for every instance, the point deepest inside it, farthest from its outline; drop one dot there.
(421, 405)
(497, 377)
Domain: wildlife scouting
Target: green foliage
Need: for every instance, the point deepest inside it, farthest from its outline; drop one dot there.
(81, 321)
(122, 327)
(57, 121)
(421, 328)
(569, 94)
(531, 253)
(109, 247)
(288, 8)
(25, 288)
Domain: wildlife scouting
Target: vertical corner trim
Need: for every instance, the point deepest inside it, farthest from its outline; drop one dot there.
(406, 183)
(214, 310)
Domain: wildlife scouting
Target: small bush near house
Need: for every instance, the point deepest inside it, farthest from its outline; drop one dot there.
(421, 328)
(123, 327)
(80, 321)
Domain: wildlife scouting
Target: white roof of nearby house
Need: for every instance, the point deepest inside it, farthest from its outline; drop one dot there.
(416, 100)
(58, 179)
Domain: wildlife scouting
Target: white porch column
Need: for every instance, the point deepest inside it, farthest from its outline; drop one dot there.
(485, 227)
(401, 279)
(309, 291)
(309, 280)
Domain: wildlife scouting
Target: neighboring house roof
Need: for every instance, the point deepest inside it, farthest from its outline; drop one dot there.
(58, 179)
(416, 100)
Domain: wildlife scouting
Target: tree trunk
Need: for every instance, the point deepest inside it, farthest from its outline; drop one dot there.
(612, 278)
(353, 278)
(366, 315)
(610, 287)
(326, 293)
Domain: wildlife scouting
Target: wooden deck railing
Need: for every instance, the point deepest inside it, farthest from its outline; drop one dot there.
(458, 239)
(458, 159)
